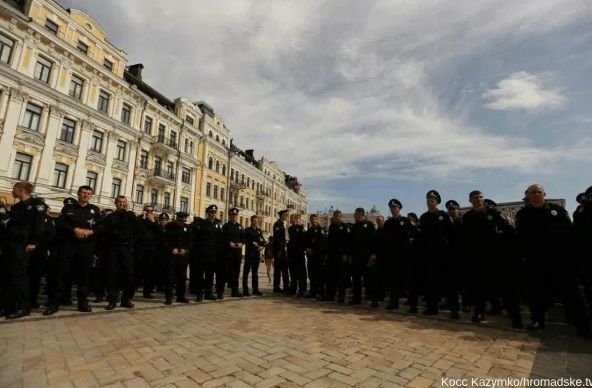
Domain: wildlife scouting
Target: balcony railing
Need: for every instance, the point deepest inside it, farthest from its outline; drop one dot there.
(171, 143)
(157, 172)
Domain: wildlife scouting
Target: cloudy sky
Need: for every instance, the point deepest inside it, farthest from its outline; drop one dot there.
(370, 100)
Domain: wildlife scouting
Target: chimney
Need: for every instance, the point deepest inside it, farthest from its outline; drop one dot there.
(136, 70)
(250, 153)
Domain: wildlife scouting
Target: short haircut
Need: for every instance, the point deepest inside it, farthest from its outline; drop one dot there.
(148, 206)
(336, 212)
(28, 187)
(254, 217)
(121, 197)
(314, 216)
(474, 193)
(85, 187)
(360, 210)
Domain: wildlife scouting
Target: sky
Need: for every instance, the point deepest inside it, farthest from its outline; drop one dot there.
(365, 101)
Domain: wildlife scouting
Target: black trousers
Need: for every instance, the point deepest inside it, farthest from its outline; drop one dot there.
(17, 290)
(359, 273)
(205, 267)
(145, 267)
(280, 271)
(336, 276)
(36, 269)
(251, 265)
(98, 275)
(75, 264)
(176, 273)
(234, 258)
(52, 276)
(297, 267)
(120, 273)
(314, 265)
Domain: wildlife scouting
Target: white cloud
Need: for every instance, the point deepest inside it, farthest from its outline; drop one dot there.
(524, 91)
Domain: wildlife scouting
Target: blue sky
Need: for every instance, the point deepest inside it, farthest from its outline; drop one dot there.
(366, 101)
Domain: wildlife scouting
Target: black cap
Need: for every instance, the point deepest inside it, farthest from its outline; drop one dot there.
(580, 197)
(588, 193)
(70, 201)
(282, 212)
(434, 194)
(489, 202)
(452, 204)
(395, 202)
(163, 216)
(212, 208)
(181, 216)
(233, 211)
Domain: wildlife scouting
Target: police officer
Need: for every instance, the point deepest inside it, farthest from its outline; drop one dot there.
(161, 253)
(363, 236)
(121, 230)
(544, 230)
(254, 244)
(178, 240)
(338, 251)
(76, 226)
(4, 263)
(436, 232)
(38, 259)
(145, 251)
(296, 256)
(208, 243)
(25, 232)
(234, 240)
(583, 232)
(280, 261)
(316, 255)
(394, 242)
(451, 275)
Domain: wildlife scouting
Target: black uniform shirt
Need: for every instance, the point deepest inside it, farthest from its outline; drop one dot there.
(297, 243)
(26, 222)
(436, 229)
(279, 235)
(253, 235)
(363, 243)
(338, 239)
(316, 240)
(233, 233)
(177, 236)
(75, 216)
(121, 228)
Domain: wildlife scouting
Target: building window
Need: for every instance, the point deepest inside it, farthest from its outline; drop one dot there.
(76, 84)
(153, 197)
(215, 192)
(91, 180)
(148, 125)
(139, 194)
(60, 175)
(184, 204)
(115, 188)
(82, 47)
(144, 159)
(191, 147)
(103, 105)
(167, 201)
(223, 142)
(224, 169)
(217, 166)
(52, 26)
(210, 134)
(108, 64)
(170, 168)
(210, 163)
(97, 142)
(185, 175)
(189, 119)
(43, 69)
(157, 164)
(209, 189)
(22, 166)
(218, 138)
(161, 130)
(173, 139)
(67, 133)
(32, 117)
(186, 145)
(126, 113)
(222, 193)
(5, 48)
(121, 146)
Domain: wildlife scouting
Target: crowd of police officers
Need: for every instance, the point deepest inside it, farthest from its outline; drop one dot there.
(455, 262)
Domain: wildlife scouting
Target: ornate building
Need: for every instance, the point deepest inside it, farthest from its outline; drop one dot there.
(72, 112)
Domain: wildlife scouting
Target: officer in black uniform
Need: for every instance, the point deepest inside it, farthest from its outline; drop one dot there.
(4, 281)
(338, 251)
(363, 236)
(280, 261)
(76, 226)
(394, 240)
(121, 230)
(452, 283)
(316, 257)
(25, 233)
(38, 262)
(583, 228)
(145, 251)
(544, 231)
(296, 256)
(436, 232)
(482, 229)
(209, 242)
(254, 244)
(161, 253)
(178, 241)
(229, 267)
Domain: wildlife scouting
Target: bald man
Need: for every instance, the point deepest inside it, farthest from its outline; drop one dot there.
(544, 232)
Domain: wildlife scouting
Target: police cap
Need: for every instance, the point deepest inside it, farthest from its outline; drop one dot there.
(395, 202)
(489, 202)
(233, 211)
(282, 212)
(211, 208)
(163, 216)
(434, 194)
(452, 204)
(181, 216)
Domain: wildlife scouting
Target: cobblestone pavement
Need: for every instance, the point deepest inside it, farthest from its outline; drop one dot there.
(274, 341)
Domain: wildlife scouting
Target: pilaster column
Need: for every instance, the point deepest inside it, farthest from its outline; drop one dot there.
(51, 134)
(13, 112)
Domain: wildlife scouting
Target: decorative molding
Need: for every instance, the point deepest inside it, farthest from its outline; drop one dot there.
(18, 95)
(186, 188)
(86, 124)
(119, 165)
(112, 135)
(32, 137)
(141, 172)
(56, 112)
(95, 157)
(66, 148)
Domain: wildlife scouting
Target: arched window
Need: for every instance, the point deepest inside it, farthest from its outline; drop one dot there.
(210, 163)
(217, 166)
(218, 138)
(223, 169)
(186, 145)
(223, 142)
(191, 147)
(210, 134)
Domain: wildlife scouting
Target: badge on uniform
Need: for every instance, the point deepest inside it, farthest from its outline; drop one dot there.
(40, 208)
(401, 223)
(553, 212)
(441, 218)
(92, 211)
(341, 228)
(240, 227)
(277, 229)
(490, 217)
(29, 207)
(365, 225)
(184, 229)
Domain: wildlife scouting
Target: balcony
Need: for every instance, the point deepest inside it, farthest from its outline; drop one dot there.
(162, 176)
(290, 206)
(261, 195)
(236, 185)
(165, 144)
